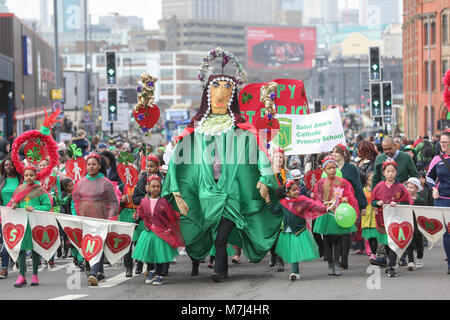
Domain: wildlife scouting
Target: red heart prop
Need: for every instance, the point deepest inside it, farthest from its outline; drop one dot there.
(147, 117)
(117, 242)
(263, 124)
(13, 234)
(448, 227)
(45, 236)
(73, 172)
(432, 226)
(91, 246)
(75, 234)
(130, 179)
(311, 178)
(406, 235)
(48, 183)
(39, 147)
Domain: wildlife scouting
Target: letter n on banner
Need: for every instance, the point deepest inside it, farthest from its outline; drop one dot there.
(14, 224)
(45, 233)
(118, 241)
(94, 235)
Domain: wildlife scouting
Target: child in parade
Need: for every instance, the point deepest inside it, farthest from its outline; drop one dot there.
(30, 196)
(332, 191)
(159, 241)
(296, 242)
(368, 222)
(388, 192)
(414, 188)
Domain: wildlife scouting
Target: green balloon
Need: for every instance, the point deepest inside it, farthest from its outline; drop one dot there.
(338, 173)
(345, 215)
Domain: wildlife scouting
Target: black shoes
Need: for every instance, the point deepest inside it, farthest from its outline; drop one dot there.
(280, 266)
(139, 266)
(218, 277)
(129, 273)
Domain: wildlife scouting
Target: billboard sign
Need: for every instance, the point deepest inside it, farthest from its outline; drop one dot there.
(281, 47)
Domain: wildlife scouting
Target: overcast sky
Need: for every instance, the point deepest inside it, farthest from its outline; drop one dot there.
(149, 10)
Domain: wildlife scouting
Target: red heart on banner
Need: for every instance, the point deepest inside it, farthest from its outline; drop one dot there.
(117, 242)
(48, 183)
(75, 234)
(91, 246)
(130, 178)
(76, 169)
(45, 236)
(13, 234)
(147, 117)
(432, 226)
(401, 233)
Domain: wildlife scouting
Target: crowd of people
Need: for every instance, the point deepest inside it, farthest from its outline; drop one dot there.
(369, 173)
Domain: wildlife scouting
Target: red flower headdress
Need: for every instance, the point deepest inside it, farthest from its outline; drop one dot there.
(288, 184)
(390, 162)
(153, 177)
(93, 155)
(327, 160)
(153, 158)
(47, 142)
(342, 147)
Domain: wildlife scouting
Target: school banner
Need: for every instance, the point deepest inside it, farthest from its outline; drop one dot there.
(14, 224)
(118, 241)
(430, 222)
(399, 227)
(44, 232)
(310, 134)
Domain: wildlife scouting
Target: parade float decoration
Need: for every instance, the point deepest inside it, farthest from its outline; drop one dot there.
(38, 145)
(446, 94)
(76, 166)
(126, 170)
(145, 112)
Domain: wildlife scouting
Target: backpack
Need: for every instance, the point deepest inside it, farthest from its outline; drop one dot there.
(427, 150)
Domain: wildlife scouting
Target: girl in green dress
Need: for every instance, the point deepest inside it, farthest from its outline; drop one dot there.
(296, 242)
(30, 196)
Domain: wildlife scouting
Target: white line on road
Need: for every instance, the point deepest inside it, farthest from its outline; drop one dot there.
(70, 297)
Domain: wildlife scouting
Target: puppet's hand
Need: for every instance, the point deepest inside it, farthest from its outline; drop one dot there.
(263, 190)
(182, 205)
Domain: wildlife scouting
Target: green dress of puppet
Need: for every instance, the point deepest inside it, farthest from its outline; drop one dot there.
(227, 144)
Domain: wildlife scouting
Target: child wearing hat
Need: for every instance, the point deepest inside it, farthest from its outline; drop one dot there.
(415, 188)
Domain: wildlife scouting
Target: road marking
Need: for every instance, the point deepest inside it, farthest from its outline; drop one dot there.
(70, 297)
(112, 282)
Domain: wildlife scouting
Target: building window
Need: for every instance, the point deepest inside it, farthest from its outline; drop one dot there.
(433, 75)
(425, 76)
(444, 29)
(167, 73)
(433, 33)
(426, 119)
(444, 70)
(425, 34)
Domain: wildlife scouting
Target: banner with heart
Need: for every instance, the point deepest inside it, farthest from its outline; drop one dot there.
(118, 241)
(14, 224)
(49, 182)
(73, 228)
(44, 232)
(399, 224)
(94, 235)
(430, 222)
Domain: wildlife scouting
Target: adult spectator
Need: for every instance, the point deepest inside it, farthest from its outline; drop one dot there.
(425, 153)
(406, 168)
(4, 145)
(95, 142)
(111, 166)
(437, 144)
(81, 142)
(366, 159)
(440, 171)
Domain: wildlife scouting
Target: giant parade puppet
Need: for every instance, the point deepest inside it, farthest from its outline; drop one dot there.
(220, 174)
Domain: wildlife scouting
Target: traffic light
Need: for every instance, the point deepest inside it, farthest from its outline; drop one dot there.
(374, 64)
(317, 106)
(387, 98)
(112, 104)
(375, 99)
(111, 76)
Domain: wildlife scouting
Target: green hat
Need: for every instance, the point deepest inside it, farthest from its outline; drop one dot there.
(410, 148)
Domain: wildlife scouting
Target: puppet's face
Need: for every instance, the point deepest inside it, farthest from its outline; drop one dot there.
(221, 94)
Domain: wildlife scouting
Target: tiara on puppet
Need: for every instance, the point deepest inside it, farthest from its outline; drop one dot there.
(388, 162)
(44, 144)
(327, 160)
(227, 56)
(153, 177)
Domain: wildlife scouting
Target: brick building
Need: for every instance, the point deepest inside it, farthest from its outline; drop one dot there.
(418, 16)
